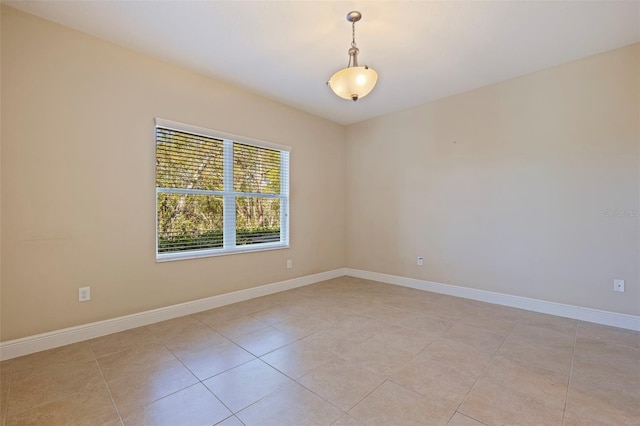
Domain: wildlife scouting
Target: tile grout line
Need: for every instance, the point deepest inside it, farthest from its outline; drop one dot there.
(201, 382)
(461, 321)
(155, 400)
(573, 356)
(486, 367)
(228, 340)
(233, 413)
(293, 380)
(95, 359)
(235, 417)
(6, 403)
(471, 417)
(367, 395)
(322, 398)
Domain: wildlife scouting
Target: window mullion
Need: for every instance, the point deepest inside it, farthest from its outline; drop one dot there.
(229, 199)
(284, 197)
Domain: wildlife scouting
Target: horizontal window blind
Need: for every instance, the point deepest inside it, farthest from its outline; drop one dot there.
(188, 161)
(216, 195)
(256, 169)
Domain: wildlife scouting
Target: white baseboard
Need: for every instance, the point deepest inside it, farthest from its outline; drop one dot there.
(630, 322)
(40, 342)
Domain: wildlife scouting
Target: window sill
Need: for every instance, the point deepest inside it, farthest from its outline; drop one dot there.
(168, 257)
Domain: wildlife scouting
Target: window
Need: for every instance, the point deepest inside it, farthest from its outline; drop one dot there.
(218, 193)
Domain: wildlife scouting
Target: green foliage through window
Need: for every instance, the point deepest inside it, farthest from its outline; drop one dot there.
(199, 178)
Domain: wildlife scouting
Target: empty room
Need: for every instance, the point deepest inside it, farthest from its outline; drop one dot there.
(310, 213)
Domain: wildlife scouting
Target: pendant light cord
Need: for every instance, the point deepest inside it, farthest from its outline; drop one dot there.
(353, 41)
(353, 34)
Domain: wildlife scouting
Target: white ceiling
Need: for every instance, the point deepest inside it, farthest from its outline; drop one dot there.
(422, 50)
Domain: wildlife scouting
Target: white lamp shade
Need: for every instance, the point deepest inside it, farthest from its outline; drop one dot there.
(353, 82)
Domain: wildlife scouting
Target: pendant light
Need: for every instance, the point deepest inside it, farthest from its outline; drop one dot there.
(353, 82)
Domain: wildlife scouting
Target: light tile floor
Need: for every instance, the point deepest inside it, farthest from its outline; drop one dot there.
(341, 352)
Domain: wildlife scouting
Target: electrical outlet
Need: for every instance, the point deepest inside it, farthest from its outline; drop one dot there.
(289, 264)
(618, 285)
(420, 260)
(84, 294)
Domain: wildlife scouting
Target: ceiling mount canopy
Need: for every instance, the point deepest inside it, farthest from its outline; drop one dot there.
(353, 82)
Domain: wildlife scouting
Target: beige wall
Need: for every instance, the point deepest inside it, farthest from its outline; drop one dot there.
(502, 189)
(78, 184)
(505, 188)
(1, 11)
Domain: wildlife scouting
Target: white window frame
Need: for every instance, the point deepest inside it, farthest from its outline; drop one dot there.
(229, 195)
